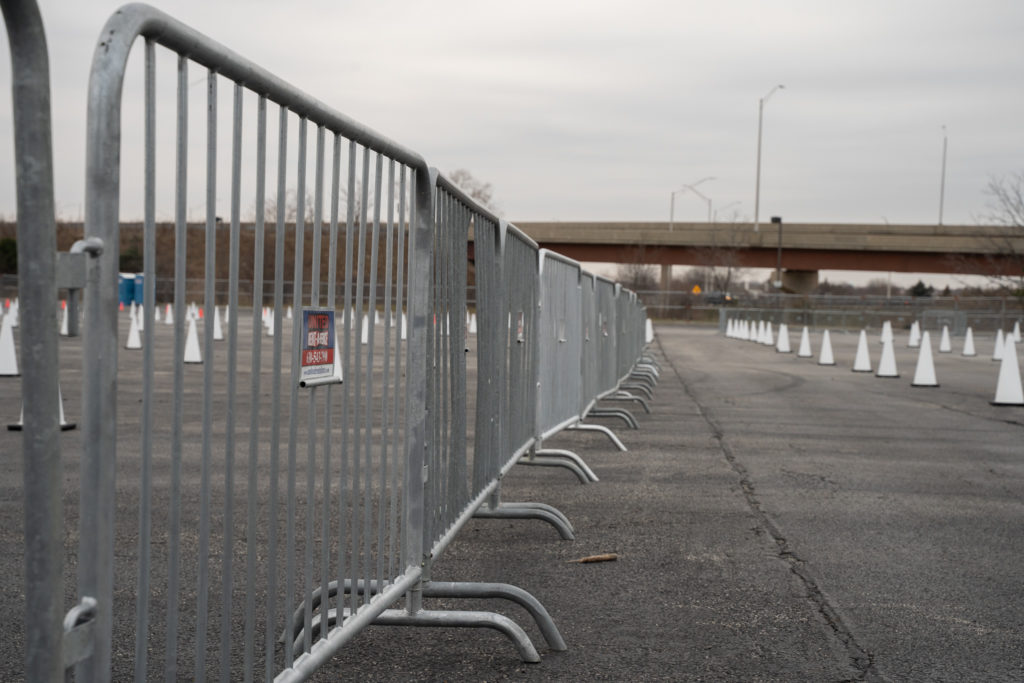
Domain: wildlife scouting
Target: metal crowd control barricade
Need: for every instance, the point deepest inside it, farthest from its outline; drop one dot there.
(349, 494)
(47, 646)
(338, 511)
(559, 379)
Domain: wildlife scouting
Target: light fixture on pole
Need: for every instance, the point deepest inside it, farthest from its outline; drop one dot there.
(757, 186)
(942, 179)
(672, 199)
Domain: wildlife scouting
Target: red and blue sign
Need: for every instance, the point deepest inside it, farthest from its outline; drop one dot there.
(317, 349)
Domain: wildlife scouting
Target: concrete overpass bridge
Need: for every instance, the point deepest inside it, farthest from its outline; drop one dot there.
(805, 248)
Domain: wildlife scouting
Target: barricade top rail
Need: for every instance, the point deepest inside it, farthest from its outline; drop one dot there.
(141, 20)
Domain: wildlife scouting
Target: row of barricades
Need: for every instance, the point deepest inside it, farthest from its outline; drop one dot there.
(289, 491)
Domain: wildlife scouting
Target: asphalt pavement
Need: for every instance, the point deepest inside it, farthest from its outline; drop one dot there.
(774, 520)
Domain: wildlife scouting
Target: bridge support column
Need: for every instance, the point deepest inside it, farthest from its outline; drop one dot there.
(799, 281)
(666, 278)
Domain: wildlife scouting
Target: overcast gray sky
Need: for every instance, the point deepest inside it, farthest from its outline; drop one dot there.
(598, 110)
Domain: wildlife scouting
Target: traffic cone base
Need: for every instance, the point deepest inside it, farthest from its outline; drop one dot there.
(1009, 391)
(924, 373)
(862, 362)
(805, 345)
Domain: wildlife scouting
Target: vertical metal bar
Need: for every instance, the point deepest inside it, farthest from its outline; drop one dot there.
(203, 581)
(416, 393)
(149, 291)
(293, 413)
(314, 300)
(399, 312)
(275, 400)
(357, 392)
(332, 281)
(386, 426)
(254, 392)
(37, 247)
(368, 566)
(227, 553)
(346, 403)
(177, 417)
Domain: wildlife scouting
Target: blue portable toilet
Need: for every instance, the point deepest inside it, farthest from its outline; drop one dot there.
(126, 288)
(138, 291)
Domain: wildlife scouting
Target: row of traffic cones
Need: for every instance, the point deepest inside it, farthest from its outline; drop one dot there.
(1009, 388)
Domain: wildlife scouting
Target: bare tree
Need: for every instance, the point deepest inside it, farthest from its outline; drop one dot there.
(1006, 214)
(723, 256)
(478, 190)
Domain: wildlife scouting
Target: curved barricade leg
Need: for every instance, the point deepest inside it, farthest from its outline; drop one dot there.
(457, 618)
(604, 430)
(540, 511)
(626, 396)
(560, 458)
(641, 388)
(504, 591)
(621, 413)
(498, 622)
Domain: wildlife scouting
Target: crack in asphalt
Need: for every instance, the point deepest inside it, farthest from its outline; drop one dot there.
(861, 659)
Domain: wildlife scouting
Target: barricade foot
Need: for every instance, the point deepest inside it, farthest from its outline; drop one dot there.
(459, 619)
(504, 591)
(642, 388)
(622, 413)
(626, 396)
(442, 589)
(556, 457)
(540, 511)
(604, 430)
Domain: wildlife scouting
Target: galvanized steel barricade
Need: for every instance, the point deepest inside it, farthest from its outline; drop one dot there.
(359, 452)
(46, 646)
(346, 508)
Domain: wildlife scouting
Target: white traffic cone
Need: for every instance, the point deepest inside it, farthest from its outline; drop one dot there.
(288, 313)
(156, 313)
(337, 360)
(805, 345)
(218, 330)
(64, 319)
(1009, 391)
(64, 424)
(887, 363)
(403, 331)
(8, 356)
(192, 352)
(1016, 331)
(944, 344)
(924, 373)
(769, 339)
(782, 344)
(168, 315)
(140, 315)
(862, 362)
(227, 314)
(997, 350)
(825, 357)
(134, 339)
(915, 335)
(269, 322)
(886, 332)
(648, 328)
(364, 336)
(969, 345)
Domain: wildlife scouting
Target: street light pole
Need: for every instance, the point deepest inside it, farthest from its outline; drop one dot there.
(757, 186)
